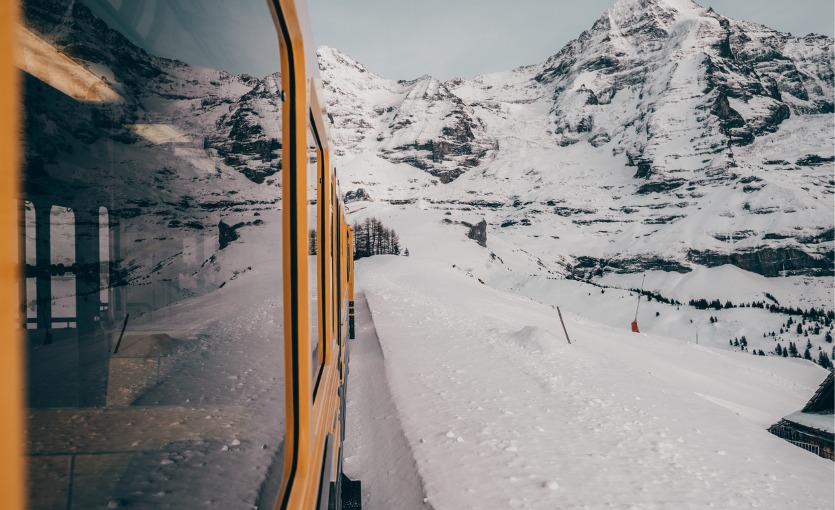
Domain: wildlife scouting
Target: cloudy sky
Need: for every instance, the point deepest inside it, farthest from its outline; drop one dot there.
(404, 39)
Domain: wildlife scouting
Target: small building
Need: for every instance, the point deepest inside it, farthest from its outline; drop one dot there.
(812, 428)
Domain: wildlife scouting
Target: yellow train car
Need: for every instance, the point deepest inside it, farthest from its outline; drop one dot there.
(177, 267)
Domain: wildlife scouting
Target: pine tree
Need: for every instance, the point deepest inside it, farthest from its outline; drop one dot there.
(807, 355)
(799, 328)
(406, 252)
(373, 238)
(395, 243)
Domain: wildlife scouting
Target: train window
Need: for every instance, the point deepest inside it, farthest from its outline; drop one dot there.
(30, 291)
(333, 262)
(62, 246)
(315, 243)
(151, 220)
(104, 262)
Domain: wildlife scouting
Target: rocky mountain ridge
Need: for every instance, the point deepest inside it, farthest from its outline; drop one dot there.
(666, 135)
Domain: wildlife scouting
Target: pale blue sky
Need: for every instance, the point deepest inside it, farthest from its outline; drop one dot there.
(404, 39)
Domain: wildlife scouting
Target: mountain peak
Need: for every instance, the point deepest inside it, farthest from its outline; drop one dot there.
(679, 5)
(330, 58)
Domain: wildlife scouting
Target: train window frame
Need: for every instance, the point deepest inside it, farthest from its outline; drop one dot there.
(321, 244)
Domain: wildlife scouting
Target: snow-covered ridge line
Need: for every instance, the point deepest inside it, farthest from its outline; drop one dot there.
(664, 136)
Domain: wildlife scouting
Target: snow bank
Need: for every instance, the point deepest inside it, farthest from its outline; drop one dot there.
(501, 413)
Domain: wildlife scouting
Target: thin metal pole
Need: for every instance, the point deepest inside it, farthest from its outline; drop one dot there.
(124, 325)
(639, 297)
(563, 326)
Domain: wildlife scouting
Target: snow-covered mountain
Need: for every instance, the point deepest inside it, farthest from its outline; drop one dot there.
(419, 122)
(182, 150)
(580, 169)
(665, 136)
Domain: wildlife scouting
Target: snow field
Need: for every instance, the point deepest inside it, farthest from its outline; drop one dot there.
(502, 413)
(518, 268)
(376, 451)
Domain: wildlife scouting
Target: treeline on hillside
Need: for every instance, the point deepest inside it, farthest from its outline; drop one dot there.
(823, 358)
(817, 314)
(658, 297)
(371, 237)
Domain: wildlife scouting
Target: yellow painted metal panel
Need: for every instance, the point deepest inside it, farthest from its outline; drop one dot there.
(12, 467)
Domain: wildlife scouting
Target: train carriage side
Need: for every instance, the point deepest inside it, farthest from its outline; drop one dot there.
(175, 224)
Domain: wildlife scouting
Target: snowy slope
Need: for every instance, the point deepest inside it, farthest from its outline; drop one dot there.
(501, 412)
(441, 236)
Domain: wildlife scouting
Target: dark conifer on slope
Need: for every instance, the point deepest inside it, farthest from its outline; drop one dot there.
(371, 237)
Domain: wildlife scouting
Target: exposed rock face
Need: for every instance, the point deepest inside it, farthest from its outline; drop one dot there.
(244, 138)
(478, 232)
(357, 196)
(418, 122)
(434, 130)
(590, 266)
(226, 234)
(770, 262)
(672, 62)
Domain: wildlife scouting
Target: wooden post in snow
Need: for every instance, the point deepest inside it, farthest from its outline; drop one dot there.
(563, 326)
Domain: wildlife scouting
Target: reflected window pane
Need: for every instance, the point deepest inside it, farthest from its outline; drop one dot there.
(313, 222)
(152, 227)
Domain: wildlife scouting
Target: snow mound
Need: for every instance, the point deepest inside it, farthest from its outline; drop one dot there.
(535, 339)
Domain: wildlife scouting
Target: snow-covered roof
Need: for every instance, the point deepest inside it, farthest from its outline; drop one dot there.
(822, 399)
(824, 422)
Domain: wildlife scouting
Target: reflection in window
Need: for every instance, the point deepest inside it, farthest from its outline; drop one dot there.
(104, 262)
(62, 258)
(333, 256)
(152, 245)
(313, 220)
(29, 232)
